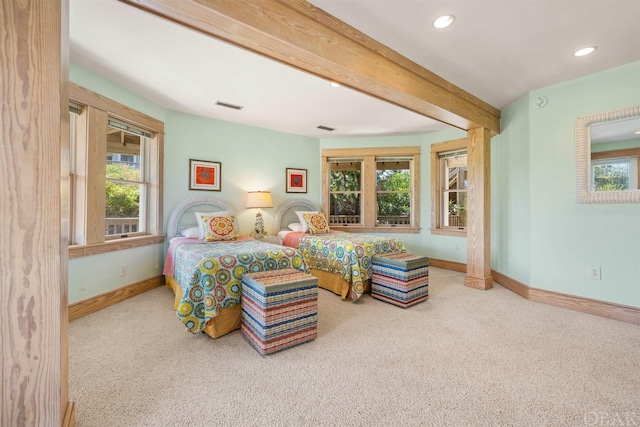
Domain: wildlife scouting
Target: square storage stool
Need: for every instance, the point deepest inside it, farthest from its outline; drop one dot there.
(401, 279)
(279, 309)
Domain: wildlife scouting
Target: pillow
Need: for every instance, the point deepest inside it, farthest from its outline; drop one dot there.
(218, 228)
(295, 226)
(199, 216)
(305, 226)
(317, 223)
(193, 232)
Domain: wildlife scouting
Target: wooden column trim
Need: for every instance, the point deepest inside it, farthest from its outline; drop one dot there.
(298, 34)
(479, 208)
(33, 284)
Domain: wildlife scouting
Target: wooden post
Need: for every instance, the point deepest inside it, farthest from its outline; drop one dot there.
(34, 212)
(479, 210)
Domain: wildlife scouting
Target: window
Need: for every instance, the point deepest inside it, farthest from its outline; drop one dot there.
(610, 175)
(345, 191)
(126, 180)
(116, 186)
(449, 187)
(372, 189)
(393, 191)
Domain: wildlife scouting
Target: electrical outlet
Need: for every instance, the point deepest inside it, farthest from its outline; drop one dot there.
(594, 273)
(123, 270)
(457, 247)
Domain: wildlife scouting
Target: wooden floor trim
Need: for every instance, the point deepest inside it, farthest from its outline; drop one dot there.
(448, 265)
(615, 311)
(611, 310)
(91, 305)
(69, 419)
(511, 284)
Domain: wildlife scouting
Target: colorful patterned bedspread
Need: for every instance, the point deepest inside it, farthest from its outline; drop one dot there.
(210, 274)
(348, 254)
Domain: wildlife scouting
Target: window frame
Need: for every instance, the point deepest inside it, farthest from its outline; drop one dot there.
(437, 208)
(615, 154)
(89, 174)
(369, 187)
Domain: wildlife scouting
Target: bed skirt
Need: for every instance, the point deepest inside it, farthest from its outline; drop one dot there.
(336, 284)
(228, 320)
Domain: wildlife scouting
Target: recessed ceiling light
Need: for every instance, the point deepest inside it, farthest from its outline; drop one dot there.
(443, 21)
(585, 51)
(335, 84)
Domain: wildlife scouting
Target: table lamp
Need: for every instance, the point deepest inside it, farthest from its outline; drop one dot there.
(259, 199)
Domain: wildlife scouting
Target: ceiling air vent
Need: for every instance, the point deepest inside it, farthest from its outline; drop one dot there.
(326, 128)
(227, 105)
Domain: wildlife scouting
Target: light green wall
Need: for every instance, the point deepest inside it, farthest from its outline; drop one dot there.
(510, 193)
(97, 274)
(252, 159)
(566, 238)
(91, 81)
(615, 145)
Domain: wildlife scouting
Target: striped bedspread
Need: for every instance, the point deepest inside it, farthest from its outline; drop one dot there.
(347, 254)
(210, 274)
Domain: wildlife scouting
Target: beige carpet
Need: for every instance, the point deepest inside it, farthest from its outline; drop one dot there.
(463, 358)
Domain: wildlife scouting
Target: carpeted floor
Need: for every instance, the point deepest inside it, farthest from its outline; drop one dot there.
(463, 358)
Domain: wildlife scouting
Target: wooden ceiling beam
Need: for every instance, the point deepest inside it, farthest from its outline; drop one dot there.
(298, 34)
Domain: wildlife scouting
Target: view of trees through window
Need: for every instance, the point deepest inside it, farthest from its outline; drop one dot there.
(393, 183)
(345, 192)
(611, 175)
(124, 186)
(393, 191)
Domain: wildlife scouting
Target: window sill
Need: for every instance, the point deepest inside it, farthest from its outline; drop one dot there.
(78, 251)
(449, 232)
(358, 229)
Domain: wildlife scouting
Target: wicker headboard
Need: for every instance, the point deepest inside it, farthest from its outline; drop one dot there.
(286, 213)
(182, 216)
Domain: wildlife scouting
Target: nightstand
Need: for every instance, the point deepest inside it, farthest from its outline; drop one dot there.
(272, 239)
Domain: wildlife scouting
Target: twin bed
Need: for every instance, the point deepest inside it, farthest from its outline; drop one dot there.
(206, 276)
(340, 261)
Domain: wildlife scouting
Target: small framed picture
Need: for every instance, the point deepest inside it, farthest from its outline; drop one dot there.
(204, 175)
(296, 180)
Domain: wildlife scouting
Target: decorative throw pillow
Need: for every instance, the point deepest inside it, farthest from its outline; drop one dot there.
(295, 226)
(201, 215)
(219, 228)
(317, 223)
(305, 226)
(193, 232)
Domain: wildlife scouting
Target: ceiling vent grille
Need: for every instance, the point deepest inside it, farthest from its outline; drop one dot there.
(326, 128)
(227, 105)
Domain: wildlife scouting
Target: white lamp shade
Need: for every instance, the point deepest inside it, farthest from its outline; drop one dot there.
(259, 199)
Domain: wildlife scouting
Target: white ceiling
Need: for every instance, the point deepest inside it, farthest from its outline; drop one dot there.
(498, 50)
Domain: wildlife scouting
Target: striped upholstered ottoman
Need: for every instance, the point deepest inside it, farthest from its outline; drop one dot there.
(401, 279)
(279, 309)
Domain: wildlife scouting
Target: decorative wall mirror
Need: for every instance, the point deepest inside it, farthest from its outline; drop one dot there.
(608, 157)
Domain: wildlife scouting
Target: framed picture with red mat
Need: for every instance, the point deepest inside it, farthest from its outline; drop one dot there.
(204, 175)
(296, 180)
